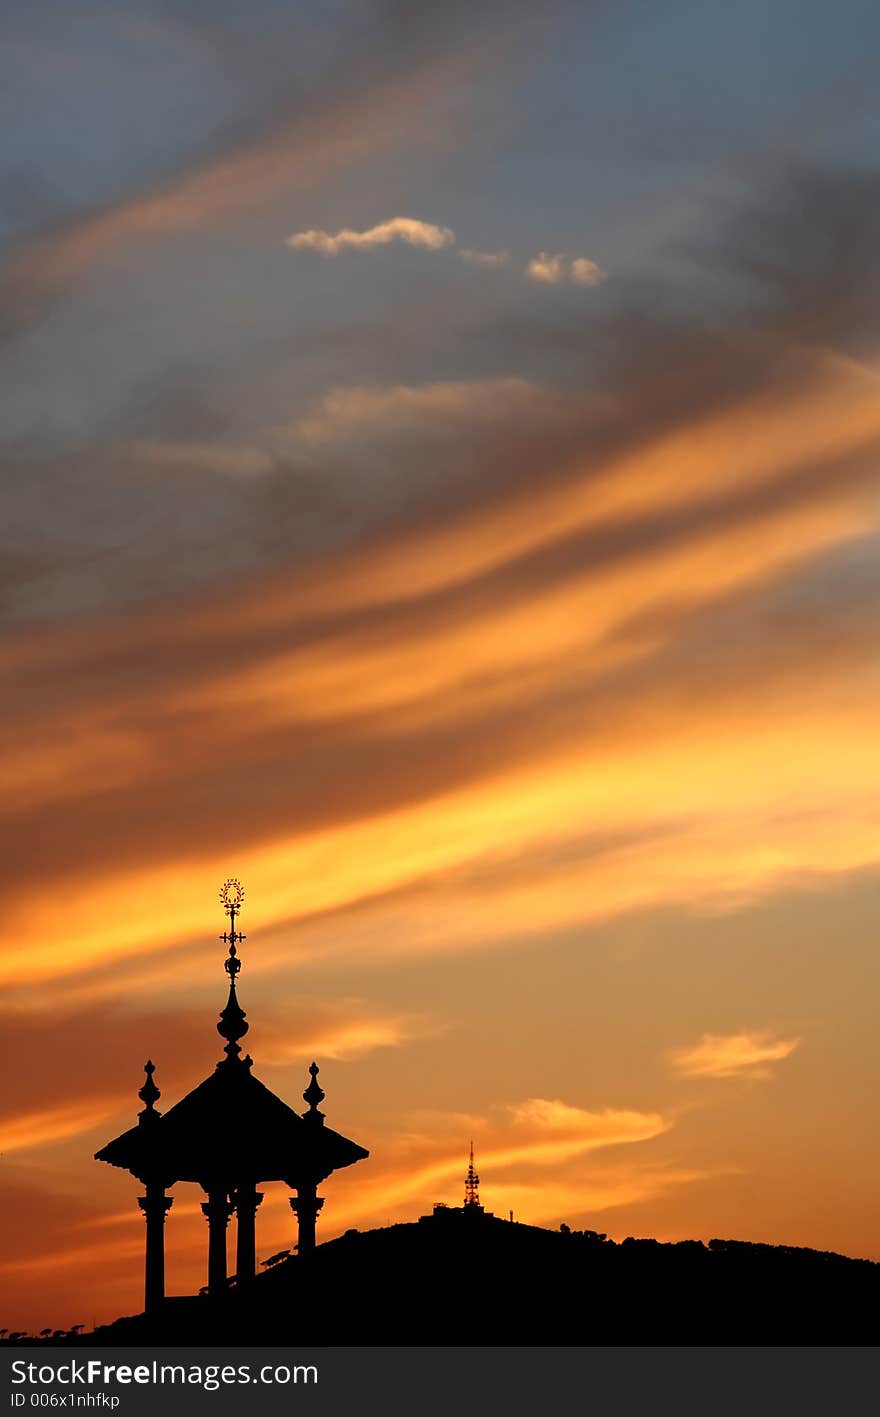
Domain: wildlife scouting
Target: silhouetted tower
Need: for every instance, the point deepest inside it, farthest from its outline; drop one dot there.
(229, 1134)
(472, 1185)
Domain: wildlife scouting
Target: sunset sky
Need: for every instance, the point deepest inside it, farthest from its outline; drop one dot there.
(441, 487)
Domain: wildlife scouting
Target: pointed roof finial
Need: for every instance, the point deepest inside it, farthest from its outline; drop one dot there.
(472, 1184)
(231, 897)
(314, 1095)
(233, 1022)
(149, 1093)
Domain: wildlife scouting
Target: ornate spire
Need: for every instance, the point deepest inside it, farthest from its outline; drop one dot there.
(233, 1022)
(149, 1094)
(472, 1184)
(314, 1095)
(231, 897)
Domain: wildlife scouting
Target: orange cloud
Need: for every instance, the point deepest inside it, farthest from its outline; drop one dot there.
(832, 413)
(39, 1128)
(419, 1168)
(733, 1055)
(546, 1118)
(522, 715)
(112, 1043)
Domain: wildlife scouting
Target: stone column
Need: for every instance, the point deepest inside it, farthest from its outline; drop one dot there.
(217, 1211)
(247, 1198)
(305, 1208)
(155, 1205)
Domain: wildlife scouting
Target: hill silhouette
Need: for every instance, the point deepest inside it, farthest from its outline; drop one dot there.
(477, 1280)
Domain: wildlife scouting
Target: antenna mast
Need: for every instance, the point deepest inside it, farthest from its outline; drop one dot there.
(472, 1185)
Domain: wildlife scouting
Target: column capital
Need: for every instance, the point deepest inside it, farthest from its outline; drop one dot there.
(157, 1206)
(247, 1198)
(306, 1205)
(217, 1210)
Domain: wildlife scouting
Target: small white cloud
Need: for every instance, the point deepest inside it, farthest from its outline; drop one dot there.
(732, 1055)
(490, 260)
(550, 270)
(399, 228)
(585, 272)
(553, 270)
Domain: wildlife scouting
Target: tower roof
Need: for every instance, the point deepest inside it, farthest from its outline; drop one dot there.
(231, 1129)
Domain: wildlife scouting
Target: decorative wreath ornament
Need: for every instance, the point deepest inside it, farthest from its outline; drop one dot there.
(232, 895)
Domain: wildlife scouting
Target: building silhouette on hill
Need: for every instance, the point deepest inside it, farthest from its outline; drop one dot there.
(470, 1210)
(228, 1135)
(401, 1284)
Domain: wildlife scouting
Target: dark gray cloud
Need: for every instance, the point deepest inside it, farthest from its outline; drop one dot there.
(321, 96)
(195, 483)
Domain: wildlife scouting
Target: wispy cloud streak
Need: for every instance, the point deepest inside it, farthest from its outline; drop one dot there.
(733, 1055)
